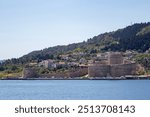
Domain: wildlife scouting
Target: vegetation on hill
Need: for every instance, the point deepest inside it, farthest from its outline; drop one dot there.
(144, 59)
(135, 37)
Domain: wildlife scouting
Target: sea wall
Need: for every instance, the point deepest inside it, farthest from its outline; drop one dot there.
(123, 69)
(115, 70)
(98, 70)
(30, 73)
(78, 73)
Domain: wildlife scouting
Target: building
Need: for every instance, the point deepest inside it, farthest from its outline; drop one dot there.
(115, 58)
(115, 66)
(47, 64)
(102, 56)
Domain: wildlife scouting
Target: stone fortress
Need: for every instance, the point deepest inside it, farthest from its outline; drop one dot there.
(114, 65)
(107, 65)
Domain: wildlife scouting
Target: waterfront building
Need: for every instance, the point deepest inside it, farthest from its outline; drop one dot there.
(115, 66)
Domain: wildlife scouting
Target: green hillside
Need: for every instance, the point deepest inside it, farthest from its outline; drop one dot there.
(135, 37)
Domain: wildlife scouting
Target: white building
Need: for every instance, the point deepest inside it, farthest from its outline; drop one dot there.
(48, 64)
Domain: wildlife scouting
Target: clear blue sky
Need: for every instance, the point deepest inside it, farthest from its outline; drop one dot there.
(27, 25)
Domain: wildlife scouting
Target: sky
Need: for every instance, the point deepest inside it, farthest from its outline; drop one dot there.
(28, 25)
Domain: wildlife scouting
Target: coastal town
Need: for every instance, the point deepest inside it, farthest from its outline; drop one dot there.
(84, 66)
(108, 65)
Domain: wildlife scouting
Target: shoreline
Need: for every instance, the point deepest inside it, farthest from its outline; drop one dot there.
(84, 78)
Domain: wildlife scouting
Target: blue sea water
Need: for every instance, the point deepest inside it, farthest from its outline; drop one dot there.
(75, 89)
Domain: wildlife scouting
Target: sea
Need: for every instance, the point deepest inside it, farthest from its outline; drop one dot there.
(74, 89)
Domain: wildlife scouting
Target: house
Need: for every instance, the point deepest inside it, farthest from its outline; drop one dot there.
(47, 64)
(102, 56)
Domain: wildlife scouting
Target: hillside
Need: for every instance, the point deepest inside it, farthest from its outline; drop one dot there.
(135, 37)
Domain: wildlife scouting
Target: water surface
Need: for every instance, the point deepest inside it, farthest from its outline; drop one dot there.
(75, 89)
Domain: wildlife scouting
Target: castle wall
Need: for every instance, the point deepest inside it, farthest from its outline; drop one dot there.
(56, 75)
(98, 70)
(123, 69)
(115, 58)
(76, 73)
(29, 73)
(115, 67)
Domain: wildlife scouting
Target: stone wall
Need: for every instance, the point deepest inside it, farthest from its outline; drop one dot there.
(55, 75)
(116, 67)
(123, 69)
(75, 73)
(98, 70)
(29, 73)
(78, 73)
(115, 58)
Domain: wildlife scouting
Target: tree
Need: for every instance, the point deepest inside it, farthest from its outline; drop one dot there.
(2, 68)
